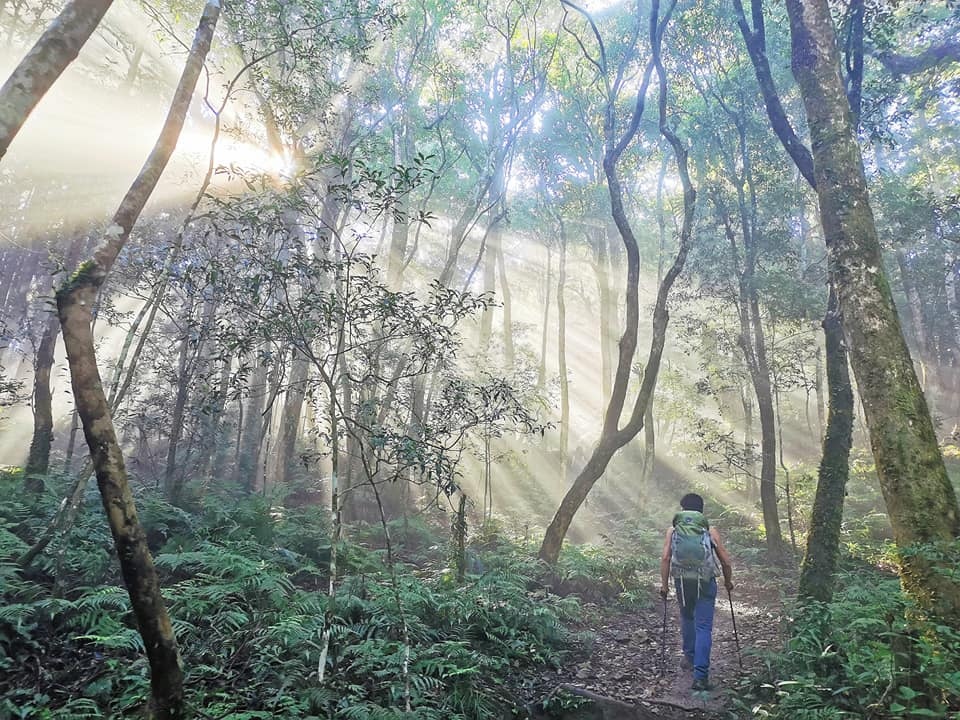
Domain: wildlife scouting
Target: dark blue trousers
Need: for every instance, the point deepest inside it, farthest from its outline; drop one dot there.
(697, 600)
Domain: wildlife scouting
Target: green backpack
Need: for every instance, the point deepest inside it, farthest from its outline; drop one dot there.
(692, 556)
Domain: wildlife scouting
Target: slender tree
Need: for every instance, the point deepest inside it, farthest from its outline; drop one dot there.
(823, 548)
(38, 459)
(75, 300)
(613, 436)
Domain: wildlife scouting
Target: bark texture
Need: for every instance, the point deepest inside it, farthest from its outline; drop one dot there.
(48, 58)
(823, 541)
(920, 500)
(74, 303)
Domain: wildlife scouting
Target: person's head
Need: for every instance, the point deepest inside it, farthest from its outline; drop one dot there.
(692, 501)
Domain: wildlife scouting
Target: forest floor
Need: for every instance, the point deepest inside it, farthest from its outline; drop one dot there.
(623, 662)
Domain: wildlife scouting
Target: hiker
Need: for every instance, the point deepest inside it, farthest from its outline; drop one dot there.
(693, 553)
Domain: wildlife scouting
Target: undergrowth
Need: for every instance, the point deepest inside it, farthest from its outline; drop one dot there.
(868, 654)
(245, 581)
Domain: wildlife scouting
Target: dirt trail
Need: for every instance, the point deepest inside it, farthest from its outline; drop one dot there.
(624, 661)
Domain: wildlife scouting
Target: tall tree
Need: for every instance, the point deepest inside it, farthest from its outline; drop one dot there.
(612, 435)
(920, 500)
(823, 548)
(75, 301)
(834, 466)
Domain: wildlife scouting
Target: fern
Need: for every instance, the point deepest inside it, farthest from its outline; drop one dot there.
(78, 709)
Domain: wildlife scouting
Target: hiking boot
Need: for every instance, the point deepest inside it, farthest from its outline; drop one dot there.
(686, 664)
(701, 684)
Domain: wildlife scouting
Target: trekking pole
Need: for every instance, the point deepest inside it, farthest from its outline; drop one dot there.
(663, 640)
(736, 637)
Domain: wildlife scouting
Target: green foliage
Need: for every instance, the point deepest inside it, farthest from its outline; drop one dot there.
(869, 650)
(247, 597)
(597, 573)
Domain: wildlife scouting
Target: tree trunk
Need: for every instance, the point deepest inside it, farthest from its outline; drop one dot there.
(940, 323)
(922, 343)
(290, 420)
(649, 431)
(248, 449)
(38, 460)
(818, 388)
(768, 444)
(752, 342)
(400, 233)
(612, 436)
(920, 500)
(48, 58)
(750, 456)
(72, 441)
(75, 301)
(607, 310)
(823, 540)
(274, 383)
(542, 373)
(562, 356)
(217, 437)
(171, 485)
(489, 286)
(509, 354)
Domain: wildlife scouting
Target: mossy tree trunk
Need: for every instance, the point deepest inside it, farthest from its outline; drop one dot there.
(823, 541)
(920, 500)
(75, 301)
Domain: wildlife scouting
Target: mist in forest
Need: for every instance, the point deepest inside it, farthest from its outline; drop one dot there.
(88, 137)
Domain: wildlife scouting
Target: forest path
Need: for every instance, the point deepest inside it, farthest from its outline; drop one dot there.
(624, 660)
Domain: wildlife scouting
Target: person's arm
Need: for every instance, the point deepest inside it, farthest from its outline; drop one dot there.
(724, 557)
(665, 565)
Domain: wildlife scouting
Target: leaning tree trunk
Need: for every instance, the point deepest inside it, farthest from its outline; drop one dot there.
(612, 436)
(48, 58)
(823, 541)
(920, 500)
(75, 303)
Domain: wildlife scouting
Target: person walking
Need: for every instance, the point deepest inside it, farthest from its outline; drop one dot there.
(694, 553)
